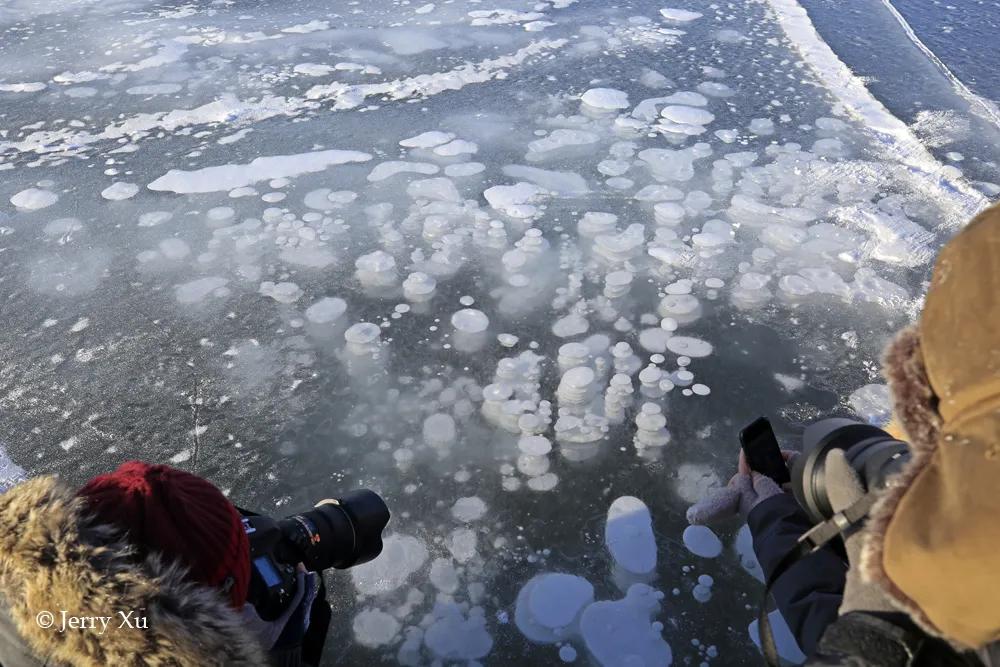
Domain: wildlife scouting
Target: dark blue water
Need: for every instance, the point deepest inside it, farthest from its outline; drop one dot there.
(964, 34)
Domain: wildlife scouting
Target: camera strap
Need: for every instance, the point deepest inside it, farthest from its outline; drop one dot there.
(841, 523)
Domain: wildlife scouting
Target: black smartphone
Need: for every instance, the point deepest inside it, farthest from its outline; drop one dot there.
(762, 451)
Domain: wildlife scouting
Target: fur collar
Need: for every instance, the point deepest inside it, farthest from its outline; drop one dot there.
(915, 405)
(53, 557)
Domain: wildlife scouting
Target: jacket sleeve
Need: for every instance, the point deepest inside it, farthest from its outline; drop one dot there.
(809, 593)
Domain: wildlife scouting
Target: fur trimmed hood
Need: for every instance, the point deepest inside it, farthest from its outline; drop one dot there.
(55, 558)
(933, 538)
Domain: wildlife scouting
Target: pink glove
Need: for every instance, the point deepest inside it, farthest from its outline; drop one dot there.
(744, 491)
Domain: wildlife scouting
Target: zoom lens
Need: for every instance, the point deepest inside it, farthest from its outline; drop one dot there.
(874, 454)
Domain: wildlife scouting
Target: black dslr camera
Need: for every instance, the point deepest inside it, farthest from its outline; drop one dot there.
(337, 533)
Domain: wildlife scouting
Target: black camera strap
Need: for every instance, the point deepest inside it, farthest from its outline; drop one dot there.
(841, 523)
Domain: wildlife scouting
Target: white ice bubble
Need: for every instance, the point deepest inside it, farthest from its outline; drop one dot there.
(119, 191)
(608, 99)
(548, 606)
(373, 627)
(33, 199)
(690, 347)
(198, 290)
(686, 115)
(326, 310)
(470, 320)
(439, 430)
(402, 555)
(468, 509)
(427, 139)
(282, 292)
(628, 534)
(701, 541)
(679, 15)
(622, 633)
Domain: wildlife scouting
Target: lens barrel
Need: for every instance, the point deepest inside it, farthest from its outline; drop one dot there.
(337, 533)
(873, 453)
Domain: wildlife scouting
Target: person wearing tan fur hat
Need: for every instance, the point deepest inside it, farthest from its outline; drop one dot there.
(920, 584)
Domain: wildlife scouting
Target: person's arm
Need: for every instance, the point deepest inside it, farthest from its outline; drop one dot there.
(809, 593)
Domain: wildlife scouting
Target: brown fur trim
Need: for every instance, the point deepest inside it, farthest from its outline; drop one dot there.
(53, 557)
(915, 405)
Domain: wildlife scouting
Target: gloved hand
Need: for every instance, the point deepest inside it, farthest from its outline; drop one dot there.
(269, 632)
(744, 491)
(844, 488)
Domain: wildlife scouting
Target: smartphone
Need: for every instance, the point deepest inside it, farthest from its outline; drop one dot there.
(762, 451)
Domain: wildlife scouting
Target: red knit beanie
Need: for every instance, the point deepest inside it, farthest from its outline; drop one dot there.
(180, 515)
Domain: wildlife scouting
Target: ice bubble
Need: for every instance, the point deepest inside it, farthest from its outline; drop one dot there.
(464, 169)
(439, 430)
(516, 201)
(454, 637)
(462, 544)
(557, 140)
(657, 192)
(427, 140)
(571, 325)
(628, 534)
(690, 347)
(467, 509)
(154, 218)
(434, 189)
(373, 627)
(695, 481)
(595, 223)
(715, 89)
(443, 575)
(386, 170)
(567, 653)
(174, 249)
(401, 556)
(654, 340)
(668, 213)
(33, 199)
(686, 115)
(419, 287)
(284, 292)
(683, 308)
(534, 445)
(362, 333)
(679, 15)
(621, 633)
(607, 99)
(326, 310)
(687, 98)
(198, 290)
(119, 191)
(701, 541)
(548, 607)
(762, 126)
(456, 147)
(744, 550)
(470, 320)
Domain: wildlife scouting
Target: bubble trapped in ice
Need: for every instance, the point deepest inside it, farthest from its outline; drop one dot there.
(507, 266)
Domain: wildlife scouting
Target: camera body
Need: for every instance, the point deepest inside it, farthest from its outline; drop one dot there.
(338, 533)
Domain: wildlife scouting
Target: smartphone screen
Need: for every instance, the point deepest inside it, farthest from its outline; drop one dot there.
(762, 451)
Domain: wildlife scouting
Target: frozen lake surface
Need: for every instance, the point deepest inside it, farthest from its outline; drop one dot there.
(523, 268)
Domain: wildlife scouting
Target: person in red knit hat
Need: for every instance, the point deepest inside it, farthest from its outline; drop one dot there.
(180, 515)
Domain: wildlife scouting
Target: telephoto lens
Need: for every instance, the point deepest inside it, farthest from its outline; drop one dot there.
(339, 533)
(872, 453)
